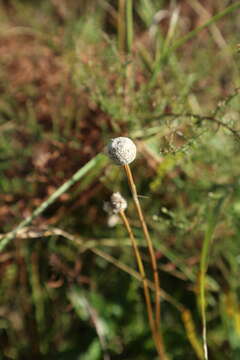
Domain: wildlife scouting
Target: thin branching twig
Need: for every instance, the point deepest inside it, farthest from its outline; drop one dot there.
(199, 117)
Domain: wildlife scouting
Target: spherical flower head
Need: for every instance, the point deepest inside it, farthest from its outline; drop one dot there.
(122, 150)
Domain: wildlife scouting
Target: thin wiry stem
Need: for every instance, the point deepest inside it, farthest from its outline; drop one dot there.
(201, 118)
(149, 245)
(144, 281)
(147, 238)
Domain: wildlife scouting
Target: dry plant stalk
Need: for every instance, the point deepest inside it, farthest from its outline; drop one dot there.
(117, 206)
(152, 323)
(150, 248)
(122, 151)
(147, 238)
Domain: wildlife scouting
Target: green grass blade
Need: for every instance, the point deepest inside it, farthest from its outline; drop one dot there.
(100, 158)
(178, 43)
(121, 26)
(211, 21)
(129, 13)
(212, 222)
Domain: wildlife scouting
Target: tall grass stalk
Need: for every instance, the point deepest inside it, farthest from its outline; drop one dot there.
(129, 21)
(212, 222)
(121, 25)
(155, 333)
(148, 241)
(191, 332)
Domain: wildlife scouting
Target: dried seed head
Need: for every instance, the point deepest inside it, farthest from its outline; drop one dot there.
(122, 150)
(117, 203)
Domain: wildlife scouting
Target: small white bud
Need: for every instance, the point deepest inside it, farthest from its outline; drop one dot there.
(122, 150)
(117, 203)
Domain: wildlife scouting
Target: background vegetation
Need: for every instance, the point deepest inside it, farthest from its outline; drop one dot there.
(74, 74)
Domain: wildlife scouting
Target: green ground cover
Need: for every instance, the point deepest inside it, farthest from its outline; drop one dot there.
(74, 74)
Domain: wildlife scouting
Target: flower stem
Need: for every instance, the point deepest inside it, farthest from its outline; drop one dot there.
(145, 283)
(149, 245)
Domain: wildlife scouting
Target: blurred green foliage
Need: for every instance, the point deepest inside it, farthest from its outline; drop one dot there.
(66, 89)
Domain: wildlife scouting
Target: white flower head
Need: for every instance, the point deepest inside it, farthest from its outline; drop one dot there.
(122, 150)
(116, 204)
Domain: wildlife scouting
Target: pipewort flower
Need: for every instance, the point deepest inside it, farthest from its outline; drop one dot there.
(122, 150)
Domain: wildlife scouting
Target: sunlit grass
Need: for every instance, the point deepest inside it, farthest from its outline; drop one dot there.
(73, 75)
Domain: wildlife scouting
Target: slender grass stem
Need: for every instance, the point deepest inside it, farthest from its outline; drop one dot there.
(149, 245)
(212, 20)
(121, 26)
(191, 332)
(144, 282)
(129, 17)
(212, 222)
(184, 39)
